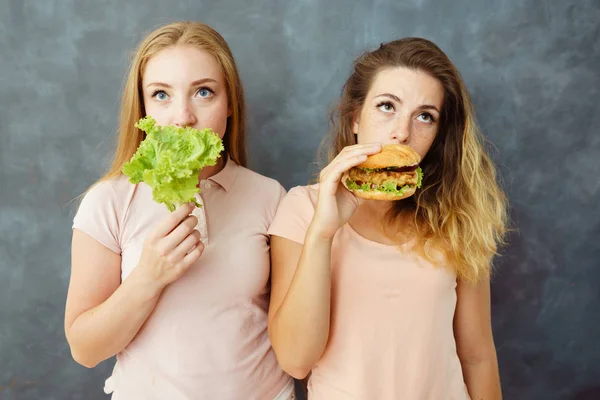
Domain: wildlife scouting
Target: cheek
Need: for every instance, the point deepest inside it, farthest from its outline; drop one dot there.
(423, 142)
(157, 111)
(213, 117)
(373, 127)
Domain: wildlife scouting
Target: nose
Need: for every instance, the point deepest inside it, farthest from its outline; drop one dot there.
(185, 114)
(401, 130)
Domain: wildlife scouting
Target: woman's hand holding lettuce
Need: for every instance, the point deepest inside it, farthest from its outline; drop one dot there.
(169, 160)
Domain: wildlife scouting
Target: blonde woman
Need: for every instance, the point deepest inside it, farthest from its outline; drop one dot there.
(391, 299)
(180, 298)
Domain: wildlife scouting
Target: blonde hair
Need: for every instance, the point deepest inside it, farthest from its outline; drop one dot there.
(461, 208)
(132, 106)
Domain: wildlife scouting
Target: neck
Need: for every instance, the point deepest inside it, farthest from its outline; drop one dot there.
(373, 213)
(207, 172)
(375, 209)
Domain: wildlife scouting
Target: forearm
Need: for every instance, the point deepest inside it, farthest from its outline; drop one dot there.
(108, 328)
(482, 379)
(300, 327)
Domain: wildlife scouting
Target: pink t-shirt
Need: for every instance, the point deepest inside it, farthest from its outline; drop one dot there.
(391, 334)
(207, 337)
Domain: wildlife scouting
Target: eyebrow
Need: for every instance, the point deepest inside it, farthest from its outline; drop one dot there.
(195, 83)
(396, 98)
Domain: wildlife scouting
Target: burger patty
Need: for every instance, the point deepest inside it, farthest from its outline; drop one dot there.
(401, 178)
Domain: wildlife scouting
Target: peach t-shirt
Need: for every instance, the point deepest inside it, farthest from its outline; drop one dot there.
(207, 337)
(391, 334)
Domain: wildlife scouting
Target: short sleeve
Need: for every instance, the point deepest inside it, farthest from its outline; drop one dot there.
(97, 216)
(281, 193)
(294, 215)
(277, 197)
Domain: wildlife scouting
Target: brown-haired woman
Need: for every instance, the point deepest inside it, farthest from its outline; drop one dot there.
(181, 298)
(391, 299)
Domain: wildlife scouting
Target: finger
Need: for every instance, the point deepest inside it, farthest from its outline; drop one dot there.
(192, 256)
(367, 148)
(335, 173)
(358, 201)
(178, 235)
(348, 152)
(357, 146)
(186, 245)
(174, 219)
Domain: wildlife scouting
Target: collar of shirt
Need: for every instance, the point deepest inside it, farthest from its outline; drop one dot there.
(224, 178)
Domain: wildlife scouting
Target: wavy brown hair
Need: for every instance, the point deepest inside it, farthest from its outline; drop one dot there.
(132, 105)
(461, 208)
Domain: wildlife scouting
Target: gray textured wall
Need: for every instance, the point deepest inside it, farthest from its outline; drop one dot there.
(534, 72)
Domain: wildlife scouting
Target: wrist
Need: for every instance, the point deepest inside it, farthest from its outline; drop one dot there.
(146, 286)
(318, 234)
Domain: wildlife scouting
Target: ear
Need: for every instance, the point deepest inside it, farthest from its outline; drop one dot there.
(229, 111)
(355, 123)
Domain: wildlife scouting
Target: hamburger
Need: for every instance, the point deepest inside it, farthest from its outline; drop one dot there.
(392, 174)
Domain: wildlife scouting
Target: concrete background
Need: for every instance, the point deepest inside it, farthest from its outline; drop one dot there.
(533, 68)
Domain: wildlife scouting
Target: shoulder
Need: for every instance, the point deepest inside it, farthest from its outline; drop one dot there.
(299, 202)
(260, 187)
(306, 195)
(248, 177)
(107, 197)
(110, 187)
(101, 211)
(258, 191)
(295, 213)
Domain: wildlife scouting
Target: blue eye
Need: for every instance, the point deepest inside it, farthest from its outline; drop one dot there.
(161, 95)
(205, 92)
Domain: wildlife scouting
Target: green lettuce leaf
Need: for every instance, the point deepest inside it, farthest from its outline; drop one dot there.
(419, 177)
(169, 160)
(352, 185)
